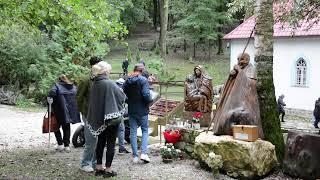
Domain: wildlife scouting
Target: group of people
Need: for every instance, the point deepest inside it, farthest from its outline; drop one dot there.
(102, 104)
(316, 111)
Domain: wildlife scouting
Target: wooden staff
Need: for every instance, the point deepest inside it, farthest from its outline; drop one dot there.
(50, 101)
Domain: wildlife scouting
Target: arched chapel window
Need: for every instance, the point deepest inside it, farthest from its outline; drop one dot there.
(301, 72)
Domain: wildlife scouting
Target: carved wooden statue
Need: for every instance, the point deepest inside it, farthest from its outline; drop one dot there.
(239, 101)
(198, 91)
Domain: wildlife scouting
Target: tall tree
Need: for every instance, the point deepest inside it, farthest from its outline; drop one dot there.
(136, 11)
(295, 12)
(155, 14)
(201, 20)
(264, 64)
(164, 10)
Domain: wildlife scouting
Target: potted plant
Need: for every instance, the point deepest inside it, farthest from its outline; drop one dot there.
(171, 136)
(196, 120)
(169, 153)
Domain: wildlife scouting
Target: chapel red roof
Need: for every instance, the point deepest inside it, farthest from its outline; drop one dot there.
(280, 30)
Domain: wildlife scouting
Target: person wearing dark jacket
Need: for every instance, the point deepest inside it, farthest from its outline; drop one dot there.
(316, 113)
(106, 109)
(281, 105)
(88, 160)
(65, 109)
(136, 87)
(125, 65)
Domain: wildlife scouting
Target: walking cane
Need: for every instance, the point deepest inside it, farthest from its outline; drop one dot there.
(50, 101)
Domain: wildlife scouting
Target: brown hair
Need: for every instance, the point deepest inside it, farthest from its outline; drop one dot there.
(64, 78)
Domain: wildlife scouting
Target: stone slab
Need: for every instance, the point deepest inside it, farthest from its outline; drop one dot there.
(302, 157)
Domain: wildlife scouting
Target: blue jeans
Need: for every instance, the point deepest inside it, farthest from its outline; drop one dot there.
(121, 131)
(89, 153)
(135, 122)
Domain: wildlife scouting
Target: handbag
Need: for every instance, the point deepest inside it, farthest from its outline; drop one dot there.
(54, 126)
(114, 121)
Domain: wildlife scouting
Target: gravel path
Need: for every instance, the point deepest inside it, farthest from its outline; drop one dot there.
(20, 129)
(20, 133)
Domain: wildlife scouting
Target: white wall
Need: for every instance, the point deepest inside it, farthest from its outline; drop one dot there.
(286, 52)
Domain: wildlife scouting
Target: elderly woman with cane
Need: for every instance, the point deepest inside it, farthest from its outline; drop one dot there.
(106, 109)
(65, 109)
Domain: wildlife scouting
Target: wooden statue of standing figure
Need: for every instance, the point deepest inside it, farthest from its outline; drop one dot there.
(239, 101)
(198, 91)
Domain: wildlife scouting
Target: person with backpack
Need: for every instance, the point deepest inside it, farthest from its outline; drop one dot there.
(65, 109)
(122, 128)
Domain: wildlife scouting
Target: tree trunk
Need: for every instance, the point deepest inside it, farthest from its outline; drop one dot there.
(209, 49)
(220, 45)
(264, 64)
(194, 50)
(184, 45)
(164, 10)
(155, 14)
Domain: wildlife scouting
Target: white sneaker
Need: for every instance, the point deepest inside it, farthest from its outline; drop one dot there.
(145, 158)
(58, 147)
(67, 149)
(135, 160)
(87, 169)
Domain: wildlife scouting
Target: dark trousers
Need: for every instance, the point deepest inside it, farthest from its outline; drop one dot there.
(66, 135)
(108, 136)
(281, 113)
(125, 71)
(317, 120)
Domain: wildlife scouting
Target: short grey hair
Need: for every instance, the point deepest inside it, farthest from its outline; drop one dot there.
(101, 68)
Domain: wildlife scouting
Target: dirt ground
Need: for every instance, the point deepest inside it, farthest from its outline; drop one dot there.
(21, 129)
(24, 154)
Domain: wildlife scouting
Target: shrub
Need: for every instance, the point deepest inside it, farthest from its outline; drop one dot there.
(21, 49)
(169, 152)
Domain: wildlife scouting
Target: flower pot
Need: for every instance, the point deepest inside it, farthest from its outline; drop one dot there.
(196, 125)
(165, 160)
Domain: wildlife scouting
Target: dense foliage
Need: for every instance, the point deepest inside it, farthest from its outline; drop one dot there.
(198, 21)
(41, 39)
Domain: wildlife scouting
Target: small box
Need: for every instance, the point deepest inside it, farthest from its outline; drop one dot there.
(245, 132)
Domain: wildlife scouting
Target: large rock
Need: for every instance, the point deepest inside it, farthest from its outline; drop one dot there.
(302, 157)
(240, 159)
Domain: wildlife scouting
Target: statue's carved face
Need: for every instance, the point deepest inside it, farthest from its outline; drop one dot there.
(244, 59)
(197, 72)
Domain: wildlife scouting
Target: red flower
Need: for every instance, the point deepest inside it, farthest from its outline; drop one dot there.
(172, 136)
(197, 115)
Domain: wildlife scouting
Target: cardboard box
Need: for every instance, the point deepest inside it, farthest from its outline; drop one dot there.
(245, 132)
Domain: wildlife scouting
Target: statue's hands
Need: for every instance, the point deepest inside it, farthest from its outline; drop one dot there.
(233, 72)
(237, 67)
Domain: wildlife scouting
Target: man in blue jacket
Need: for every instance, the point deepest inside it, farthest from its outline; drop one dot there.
(136, 87)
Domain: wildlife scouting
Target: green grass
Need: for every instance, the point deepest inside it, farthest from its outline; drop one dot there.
(28, 105)
(218, 68)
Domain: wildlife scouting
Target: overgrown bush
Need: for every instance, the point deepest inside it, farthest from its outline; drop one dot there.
(158, 67)
(32, 62)
(21, 49)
